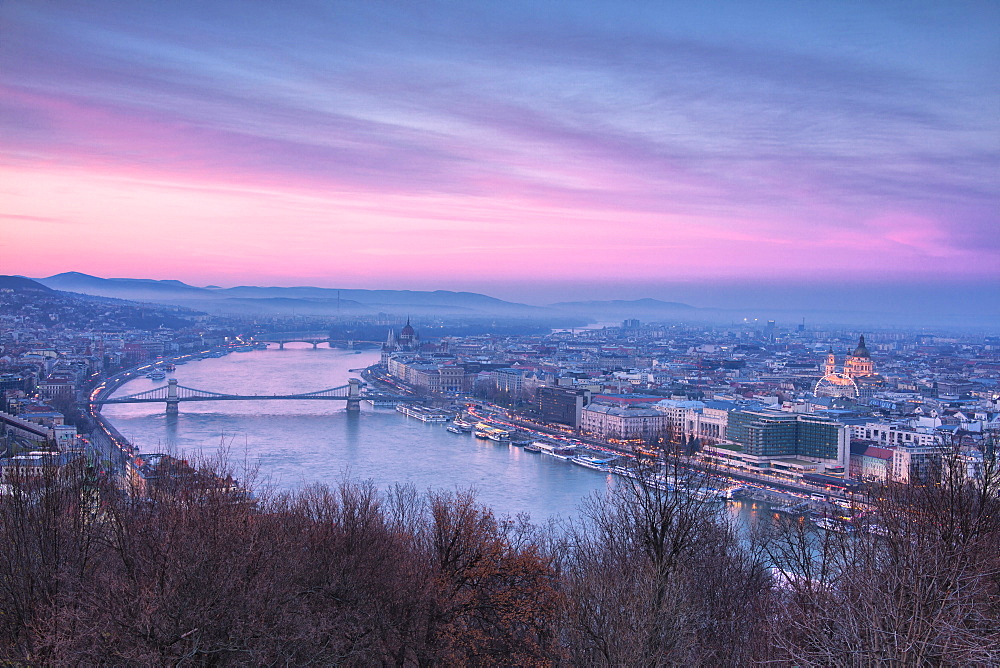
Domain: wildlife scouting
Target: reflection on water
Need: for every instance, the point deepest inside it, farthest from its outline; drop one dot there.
(304, 442)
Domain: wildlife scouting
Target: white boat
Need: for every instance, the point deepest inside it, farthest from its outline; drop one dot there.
(556, 450)
(156, 375)
(830, 524)
(484, 430)
(733, 492)
(595, 463)
(707, 494)
(455, 430)
(423, 413)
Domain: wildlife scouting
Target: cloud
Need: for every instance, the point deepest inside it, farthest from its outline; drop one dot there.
(520, 120)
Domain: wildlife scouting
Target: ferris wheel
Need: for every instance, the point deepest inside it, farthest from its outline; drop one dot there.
(836, 385)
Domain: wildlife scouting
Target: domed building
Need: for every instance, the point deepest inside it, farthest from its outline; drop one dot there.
(858, 379)
(407, 335)
(859, 363)
(407, 340)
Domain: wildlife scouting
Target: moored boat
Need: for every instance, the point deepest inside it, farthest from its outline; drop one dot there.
(706, 494)
(488, 431)
(831, 524)
(595, 463)
(556, 450)
(793, 510)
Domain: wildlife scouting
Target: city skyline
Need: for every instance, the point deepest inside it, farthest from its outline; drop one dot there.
(519, 151)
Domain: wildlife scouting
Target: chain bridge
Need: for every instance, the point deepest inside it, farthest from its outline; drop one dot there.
(173, 394)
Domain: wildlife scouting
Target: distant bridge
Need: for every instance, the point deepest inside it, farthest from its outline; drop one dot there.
(313, 338)
(173, 394)
(281, 338)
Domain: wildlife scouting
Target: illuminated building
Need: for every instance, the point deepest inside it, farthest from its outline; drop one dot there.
(858, 378)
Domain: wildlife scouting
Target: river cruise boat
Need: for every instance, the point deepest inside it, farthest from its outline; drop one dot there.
(488, 431)
(424, 413)
(595, 463)
(455, 430)
(733, 493)
(707, 494)
(796, 510)
(158, 374)
(831, 524)
(557, 450)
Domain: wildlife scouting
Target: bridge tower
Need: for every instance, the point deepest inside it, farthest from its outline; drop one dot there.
(354, 394)
(172, 399)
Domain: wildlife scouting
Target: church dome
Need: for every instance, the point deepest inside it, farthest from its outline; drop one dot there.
(407, 330)
(861, 350)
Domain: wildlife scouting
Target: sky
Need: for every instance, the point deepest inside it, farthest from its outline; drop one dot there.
(534, 151)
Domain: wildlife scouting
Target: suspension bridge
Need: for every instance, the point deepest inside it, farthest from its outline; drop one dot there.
(173, 394)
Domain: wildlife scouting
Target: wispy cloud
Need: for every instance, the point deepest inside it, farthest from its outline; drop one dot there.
(848, 137)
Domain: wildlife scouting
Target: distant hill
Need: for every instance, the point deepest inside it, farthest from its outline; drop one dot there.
(21, 284)
(439, 299)
(123, 288)
(302, 300)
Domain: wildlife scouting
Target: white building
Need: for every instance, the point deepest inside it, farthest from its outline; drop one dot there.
(623, 424)
(893, 434)
(916, 464)
(678, 414)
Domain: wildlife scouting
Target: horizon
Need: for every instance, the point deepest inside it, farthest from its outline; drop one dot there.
(517, 150)
(978, 304)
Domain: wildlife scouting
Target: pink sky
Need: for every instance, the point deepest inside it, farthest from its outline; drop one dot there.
(134, 145)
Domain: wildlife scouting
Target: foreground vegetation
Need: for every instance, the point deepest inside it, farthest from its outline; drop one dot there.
(195, 571)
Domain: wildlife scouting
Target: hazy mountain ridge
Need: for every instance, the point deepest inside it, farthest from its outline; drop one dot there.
(22, 284)
(301, 299)
(306, 300)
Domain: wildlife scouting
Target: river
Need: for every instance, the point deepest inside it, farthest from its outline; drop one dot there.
(297, 443)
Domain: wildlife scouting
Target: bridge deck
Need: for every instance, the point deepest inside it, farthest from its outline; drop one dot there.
(260, 397)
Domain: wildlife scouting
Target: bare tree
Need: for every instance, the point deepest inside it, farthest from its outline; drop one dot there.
(656, 577)
(915, 584)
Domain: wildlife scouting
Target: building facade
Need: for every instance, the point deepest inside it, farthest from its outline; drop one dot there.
(623, 423)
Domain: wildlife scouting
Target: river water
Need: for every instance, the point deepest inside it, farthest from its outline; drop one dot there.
(297, 443)
(301, 442)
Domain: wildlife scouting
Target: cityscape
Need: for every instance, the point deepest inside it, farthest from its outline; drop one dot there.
(657, 334)
(799, 408)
